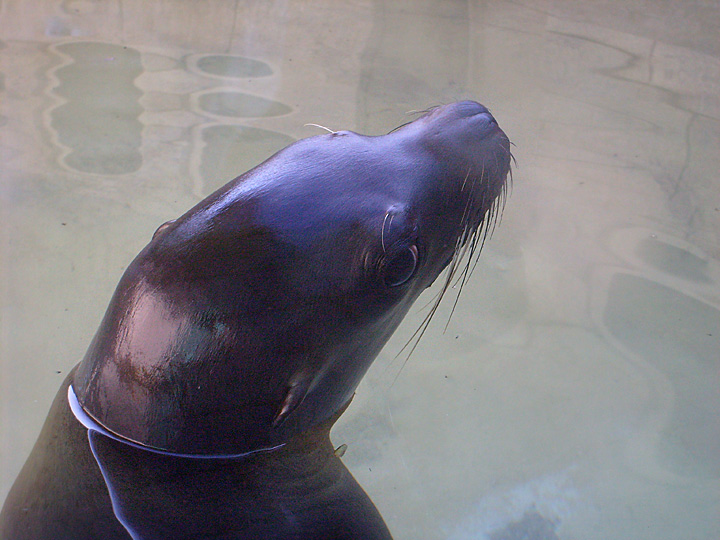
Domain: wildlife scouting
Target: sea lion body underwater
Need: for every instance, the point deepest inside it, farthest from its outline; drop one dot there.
(238, 336)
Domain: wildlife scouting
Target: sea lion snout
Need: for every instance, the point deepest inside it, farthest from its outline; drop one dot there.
(484, 122)
(468, 108)
(464, 110)
(462, 136)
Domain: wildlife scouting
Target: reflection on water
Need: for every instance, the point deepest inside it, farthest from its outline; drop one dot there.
(239, 104)
(674, 260)
(574, 393)
(676, 334)
(98, 120)
(224, 65)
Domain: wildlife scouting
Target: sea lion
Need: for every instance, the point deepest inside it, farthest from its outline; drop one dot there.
(236, 338)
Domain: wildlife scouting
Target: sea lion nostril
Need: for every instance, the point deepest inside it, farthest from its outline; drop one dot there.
(471, 108)
(485, 124)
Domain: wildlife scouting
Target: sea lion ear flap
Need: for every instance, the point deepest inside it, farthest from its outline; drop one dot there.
(162, 228)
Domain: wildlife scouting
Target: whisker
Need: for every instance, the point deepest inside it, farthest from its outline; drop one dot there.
(420, 114)
(476, 229)
(382, 231)
(462, 188)
(321, 127)
(393, 130)
(418, 334)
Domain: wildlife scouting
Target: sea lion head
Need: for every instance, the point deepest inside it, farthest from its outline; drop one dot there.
(254, 316)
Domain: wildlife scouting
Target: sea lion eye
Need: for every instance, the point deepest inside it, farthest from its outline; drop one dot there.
(399, 267)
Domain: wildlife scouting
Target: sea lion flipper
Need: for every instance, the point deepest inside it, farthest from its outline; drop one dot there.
(296, 392)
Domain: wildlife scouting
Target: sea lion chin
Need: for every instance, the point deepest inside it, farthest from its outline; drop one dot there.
(241, 331)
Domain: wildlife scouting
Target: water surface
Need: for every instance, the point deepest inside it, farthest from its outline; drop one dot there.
(575, 392)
